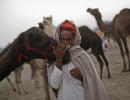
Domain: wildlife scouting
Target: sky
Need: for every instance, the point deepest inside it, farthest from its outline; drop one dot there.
(17, 16)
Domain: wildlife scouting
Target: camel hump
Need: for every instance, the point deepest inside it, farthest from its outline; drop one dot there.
(125, 11)
(85, 29)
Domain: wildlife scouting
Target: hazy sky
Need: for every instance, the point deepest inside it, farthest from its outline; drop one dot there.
(18, 15)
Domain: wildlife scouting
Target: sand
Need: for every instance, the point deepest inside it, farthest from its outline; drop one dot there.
(118, 87)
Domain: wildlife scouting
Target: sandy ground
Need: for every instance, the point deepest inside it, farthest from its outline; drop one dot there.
(118, 87)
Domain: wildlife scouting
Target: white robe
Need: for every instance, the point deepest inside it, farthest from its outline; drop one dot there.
(69, 87)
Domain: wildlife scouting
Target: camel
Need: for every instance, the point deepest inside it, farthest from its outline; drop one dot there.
(31, 44)
(90, 39)
(36, 65)
(119, 29)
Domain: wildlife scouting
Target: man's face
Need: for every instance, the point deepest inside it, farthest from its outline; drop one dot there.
(67, 38)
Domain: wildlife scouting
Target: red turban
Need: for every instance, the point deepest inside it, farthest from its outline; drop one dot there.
(67, 25)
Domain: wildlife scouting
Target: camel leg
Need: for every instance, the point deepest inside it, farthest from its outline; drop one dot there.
(34, 72)
(126, 50)
(112, 43)
(18, 74)
(101, 64)
(17, 80)
(122, 54)
(45, 82)
(36, 78)
(106, 62)
(11, 84)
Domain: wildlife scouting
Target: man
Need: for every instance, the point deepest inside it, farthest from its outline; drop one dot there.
(74, 74)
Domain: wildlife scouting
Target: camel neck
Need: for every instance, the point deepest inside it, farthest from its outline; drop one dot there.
(102, 26)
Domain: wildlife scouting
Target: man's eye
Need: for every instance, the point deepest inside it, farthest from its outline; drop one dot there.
(68, 39)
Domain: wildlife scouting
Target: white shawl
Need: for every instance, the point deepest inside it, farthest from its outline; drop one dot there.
(94, 88)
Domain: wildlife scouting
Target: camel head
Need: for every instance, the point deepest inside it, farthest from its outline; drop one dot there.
(95, 12)
(47, 20)
(48, 26)
(32, 44)
(46, 23)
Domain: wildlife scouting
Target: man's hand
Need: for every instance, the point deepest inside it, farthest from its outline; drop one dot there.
(76, 73)
(59, 53)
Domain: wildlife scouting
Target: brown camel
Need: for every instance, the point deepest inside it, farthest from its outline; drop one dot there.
(36, 65)
(119, 29)
(31, 44)
(91, 40)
